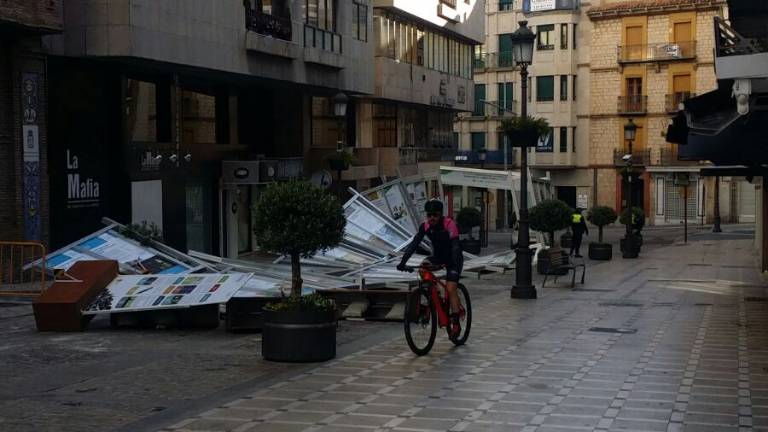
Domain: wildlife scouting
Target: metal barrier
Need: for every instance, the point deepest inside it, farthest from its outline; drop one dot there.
(14, 279)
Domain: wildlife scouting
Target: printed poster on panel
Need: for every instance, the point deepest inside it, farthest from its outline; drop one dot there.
(132, 293)
(398, 207)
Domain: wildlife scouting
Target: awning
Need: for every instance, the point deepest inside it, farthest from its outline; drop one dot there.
(734, 171)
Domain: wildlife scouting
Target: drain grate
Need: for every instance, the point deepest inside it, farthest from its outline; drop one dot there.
(595, 290)
(613, 330)
(699, 265)
(620, 304)
(736, 267)
(664, 304)
(756, 299)
(703, 304)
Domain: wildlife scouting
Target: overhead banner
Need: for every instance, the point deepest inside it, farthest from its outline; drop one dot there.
(136, 293)
(479, 178)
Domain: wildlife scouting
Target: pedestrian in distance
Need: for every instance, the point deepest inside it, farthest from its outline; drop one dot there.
(578, 228)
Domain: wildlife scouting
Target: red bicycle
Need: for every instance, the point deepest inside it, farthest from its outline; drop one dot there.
(428, 307)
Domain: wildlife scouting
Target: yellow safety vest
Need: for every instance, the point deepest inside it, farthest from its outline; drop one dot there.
(577, 218)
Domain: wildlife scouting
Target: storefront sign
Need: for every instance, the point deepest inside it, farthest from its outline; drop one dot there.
(546, 144)
(31, 155)
(548, 5)
(82, 191)
(542, 5)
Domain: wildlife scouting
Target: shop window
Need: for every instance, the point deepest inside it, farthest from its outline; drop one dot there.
(478, 140)
(384, 125)
(198, 118)
(141, 111)
(545, 88)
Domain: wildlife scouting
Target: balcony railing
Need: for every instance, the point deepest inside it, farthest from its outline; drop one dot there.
(507, 5)
(505, 59)
(673, 100)
(670, 157)
(657, 52)
(494, 108)
(316, 37)
(502, 59)
(639, 157)
(632, 104)
(414, 155)
(268, 25)
(480, 62)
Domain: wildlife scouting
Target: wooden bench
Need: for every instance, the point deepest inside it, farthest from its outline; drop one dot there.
(559, 262)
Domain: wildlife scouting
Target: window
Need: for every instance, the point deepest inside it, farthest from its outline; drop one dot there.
(141, 109)
(563, 36)
(198, 117)
(360, 24)
(384, 125)
(505, 50)
(563, 87)
(546, 37)
(545, 88)
(478, 141)
(563, 140)
(506, 104)
(320, 13)
(574, 37)
(479, 100)
(506, 5)
(573, 140)
(573, 88)
(530, 89)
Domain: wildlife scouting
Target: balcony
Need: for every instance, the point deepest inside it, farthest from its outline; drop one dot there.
(268, 25)
(639, 157)
(315, 37)
(672, 101)
(493, 60)
(632, 105)
(658, 52)
(415, 155)
(671, 157)
(494, 158)
(486, 109)
(552, 160)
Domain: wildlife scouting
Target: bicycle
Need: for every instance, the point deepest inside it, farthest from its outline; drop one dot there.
(427, 308)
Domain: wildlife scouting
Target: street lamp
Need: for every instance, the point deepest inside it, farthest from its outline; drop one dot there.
(481, 155)
(340, 112)
(522, 52)
(630, 132)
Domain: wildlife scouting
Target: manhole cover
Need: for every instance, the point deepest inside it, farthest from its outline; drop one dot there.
(620, 304)
(612, 330)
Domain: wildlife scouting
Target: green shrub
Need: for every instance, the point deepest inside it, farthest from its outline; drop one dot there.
(601, 216)
(524, 130)
(549, 216)
(297, 219)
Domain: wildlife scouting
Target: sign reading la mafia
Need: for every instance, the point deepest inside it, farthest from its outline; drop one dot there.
(82, 191)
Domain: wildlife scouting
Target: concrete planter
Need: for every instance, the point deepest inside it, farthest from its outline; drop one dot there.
(600, 251)
(296, 336)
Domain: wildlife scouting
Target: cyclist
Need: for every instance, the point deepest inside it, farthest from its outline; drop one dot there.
(446, 250)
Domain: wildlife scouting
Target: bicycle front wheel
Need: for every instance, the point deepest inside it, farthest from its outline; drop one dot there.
(420, 321)
(465, 318)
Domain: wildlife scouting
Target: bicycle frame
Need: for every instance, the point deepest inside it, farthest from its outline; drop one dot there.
(434, 293)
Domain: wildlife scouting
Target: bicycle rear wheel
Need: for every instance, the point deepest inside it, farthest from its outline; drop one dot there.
(420, 321)
(466, 319)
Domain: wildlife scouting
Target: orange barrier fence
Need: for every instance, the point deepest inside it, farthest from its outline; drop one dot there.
(14, 279)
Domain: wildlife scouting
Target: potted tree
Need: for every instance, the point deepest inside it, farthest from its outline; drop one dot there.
(297, 219)
(525, 130)
(637, 219)
(601, 216)
(547, 217)
(340, 160)
(467, 219)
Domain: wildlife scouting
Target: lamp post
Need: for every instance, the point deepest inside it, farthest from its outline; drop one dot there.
(716, 228)
(522, 51)
(481, 155)
(630, 130)
(340, 112)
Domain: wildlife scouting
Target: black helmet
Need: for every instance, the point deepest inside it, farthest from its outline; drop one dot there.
(433, 206)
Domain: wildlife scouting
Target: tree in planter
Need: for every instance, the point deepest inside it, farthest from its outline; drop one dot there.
(524, 130)
(298, 219)
(601, 216)
(468, 218)
(340, 160)
(547, 217)
(637, 219)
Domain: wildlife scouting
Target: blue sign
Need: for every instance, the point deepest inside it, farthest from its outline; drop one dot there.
(546, 144)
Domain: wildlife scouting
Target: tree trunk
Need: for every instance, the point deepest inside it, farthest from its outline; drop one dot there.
(600, 234)
(296, 276)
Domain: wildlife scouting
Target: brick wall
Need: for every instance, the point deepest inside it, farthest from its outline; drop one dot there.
(45, 15)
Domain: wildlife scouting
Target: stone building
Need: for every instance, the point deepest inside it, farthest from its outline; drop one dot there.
(557, 91)
(24, 192)
(646, 58)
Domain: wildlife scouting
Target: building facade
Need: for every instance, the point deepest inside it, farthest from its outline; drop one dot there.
(557, 91)
(24, 192)
(177, 112)
(646, 58)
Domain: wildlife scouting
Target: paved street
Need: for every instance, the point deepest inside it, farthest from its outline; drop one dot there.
(671, 341)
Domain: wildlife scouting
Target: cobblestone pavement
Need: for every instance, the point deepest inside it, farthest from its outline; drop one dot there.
(673, 341)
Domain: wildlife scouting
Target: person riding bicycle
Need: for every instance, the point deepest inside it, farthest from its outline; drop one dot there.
(446, 250)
